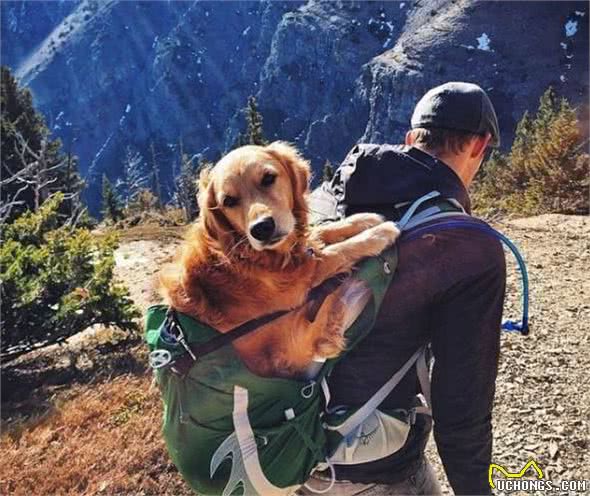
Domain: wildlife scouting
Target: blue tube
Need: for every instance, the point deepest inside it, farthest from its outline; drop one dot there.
(509, 325)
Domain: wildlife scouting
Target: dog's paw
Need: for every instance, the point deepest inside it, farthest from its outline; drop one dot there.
(387, 233)
(329, 347)
(366, 220)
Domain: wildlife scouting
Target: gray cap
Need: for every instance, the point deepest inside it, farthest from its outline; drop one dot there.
(459, 107)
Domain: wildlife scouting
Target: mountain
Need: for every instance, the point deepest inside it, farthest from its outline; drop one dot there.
(114, 74)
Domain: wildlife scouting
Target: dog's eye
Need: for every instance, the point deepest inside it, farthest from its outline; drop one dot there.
(230, 201)
(268, 179)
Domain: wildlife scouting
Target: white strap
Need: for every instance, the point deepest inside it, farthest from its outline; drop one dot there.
(424, 378)
(326, 391)
(358, 417)
(332, 480)
(456, 204)
(409, 220)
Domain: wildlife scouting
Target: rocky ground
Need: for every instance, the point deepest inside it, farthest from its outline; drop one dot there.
(542, 408)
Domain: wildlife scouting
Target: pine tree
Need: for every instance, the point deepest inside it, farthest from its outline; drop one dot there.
(33, 165)
(71, 185)
(186, 188)
(254, 133)
(546, 169)
(56, 282)
(155, 174)
(111, 204)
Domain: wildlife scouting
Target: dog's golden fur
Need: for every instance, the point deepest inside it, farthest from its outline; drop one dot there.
(224, 276)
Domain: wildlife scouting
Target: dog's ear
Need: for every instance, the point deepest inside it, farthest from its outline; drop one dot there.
(298, 168)
(202, 184)
(215, 224)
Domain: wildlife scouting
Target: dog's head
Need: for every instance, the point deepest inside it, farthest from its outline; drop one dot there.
(256, 195)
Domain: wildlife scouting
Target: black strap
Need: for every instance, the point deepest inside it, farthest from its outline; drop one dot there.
(195, 351)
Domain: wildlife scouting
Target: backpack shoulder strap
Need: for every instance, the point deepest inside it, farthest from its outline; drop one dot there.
(430, 207)
(360, 415)
(456, 217)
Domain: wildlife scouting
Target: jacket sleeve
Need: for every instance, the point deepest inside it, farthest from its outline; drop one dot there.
(466, 328)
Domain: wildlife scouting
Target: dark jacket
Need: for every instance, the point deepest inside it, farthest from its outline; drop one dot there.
(448, 291)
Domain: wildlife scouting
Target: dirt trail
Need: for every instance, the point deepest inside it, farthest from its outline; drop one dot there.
(542, 408)
(138, 263)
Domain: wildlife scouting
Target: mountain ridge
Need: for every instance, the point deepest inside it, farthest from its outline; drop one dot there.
(326, 75)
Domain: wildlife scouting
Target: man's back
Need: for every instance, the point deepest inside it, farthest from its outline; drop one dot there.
(448, 290)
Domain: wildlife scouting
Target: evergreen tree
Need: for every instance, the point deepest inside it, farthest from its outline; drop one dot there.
(111, 204)
(328, 171)
(254, 132)
(56, 281)
(71, 185)
(546, 169)
(33, 165)
(155, 174)
(241, 140)
(186, 188)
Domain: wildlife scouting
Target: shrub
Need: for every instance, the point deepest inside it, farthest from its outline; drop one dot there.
(144, 201)
(545, 171)
(56, 281)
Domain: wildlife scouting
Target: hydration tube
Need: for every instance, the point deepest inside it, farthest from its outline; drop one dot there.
(521, 326)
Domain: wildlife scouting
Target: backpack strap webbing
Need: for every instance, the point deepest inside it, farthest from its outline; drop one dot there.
(433, 206)
(194, 351)
(358, 417)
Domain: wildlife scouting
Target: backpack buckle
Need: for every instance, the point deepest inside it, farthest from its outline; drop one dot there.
(160, 358)
(174, 330)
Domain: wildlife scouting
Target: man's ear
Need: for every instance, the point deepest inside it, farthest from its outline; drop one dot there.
(297, 167)
(409, 138)
(480, 143)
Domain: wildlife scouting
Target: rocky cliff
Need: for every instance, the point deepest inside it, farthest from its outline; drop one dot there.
(514, 50)
(110, 74)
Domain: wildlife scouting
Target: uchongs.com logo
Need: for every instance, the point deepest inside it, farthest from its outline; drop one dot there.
(516, 481)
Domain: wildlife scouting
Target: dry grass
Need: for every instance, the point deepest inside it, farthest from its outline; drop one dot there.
(96, 439)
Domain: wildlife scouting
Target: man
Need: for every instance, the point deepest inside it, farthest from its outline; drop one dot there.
(448, 291)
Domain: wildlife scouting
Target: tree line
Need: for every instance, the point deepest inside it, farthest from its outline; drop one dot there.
(546, 169)
(56, 277)
(139, 187)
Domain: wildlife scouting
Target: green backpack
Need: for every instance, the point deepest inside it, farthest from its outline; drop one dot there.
(225, 427)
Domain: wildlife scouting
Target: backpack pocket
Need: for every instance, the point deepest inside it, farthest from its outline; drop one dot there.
(378, 436)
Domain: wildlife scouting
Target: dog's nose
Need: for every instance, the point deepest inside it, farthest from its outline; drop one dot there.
(263, 229)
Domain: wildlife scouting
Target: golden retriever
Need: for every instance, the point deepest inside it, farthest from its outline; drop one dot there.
(252, 252)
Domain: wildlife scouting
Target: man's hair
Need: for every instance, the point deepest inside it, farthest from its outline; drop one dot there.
(442, 141)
